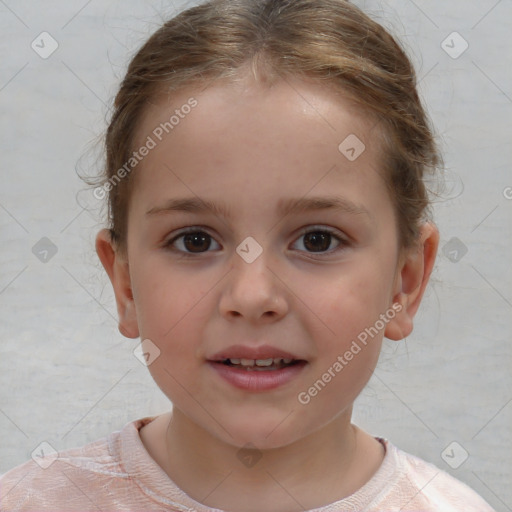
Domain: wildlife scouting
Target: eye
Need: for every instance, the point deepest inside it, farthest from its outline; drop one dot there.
(315, 240)
(192, 241)
(319, 240)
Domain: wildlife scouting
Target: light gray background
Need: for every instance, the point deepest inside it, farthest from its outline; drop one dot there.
(68, 377)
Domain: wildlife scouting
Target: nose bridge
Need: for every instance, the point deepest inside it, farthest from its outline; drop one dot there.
(251, 264)
(253, 288)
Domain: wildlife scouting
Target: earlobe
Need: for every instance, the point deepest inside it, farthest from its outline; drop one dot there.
(412, 278)
(118, 272)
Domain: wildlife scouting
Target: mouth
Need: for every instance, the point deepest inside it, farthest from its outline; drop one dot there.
(256, 369)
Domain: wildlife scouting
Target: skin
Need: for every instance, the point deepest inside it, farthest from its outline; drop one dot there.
(251, 146)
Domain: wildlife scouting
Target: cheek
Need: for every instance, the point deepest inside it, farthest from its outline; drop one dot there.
(168, 301)
(350, 302)
(348, 344)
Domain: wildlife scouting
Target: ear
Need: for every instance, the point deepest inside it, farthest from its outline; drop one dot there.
(412, 277)
(117, 269)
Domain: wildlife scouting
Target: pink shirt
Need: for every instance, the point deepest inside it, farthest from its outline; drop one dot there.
(116, 473)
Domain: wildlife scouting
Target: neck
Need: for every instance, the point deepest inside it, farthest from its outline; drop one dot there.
(319, 469)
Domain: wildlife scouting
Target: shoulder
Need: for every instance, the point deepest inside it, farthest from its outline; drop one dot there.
(428, 488)
(60, 480)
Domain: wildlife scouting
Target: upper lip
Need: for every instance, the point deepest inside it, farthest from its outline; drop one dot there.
(249, 352)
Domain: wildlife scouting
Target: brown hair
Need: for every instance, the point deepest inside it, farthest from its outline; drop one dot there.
(331, 41)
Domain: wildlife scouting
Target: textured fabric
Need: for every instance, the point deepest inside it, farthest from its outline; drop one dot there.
(116, 473)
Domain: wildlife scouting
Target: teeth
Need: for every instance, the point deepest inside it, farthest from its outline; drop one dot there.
(260, 362)
(264, 362)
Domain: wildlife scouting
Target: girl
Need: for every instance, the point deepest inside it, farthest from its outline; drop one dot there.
(268, 227)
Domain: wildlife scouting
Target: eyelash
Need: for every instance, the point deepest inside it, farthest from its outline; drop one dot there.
(343, 242)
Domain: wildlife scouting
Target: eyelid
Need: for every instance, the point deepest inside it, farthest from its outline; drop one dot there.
(327, 229)
(190, 229)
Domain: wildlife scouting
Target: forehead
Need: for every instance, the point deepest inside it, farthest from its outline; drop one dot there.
(292, 136)
(254, 101)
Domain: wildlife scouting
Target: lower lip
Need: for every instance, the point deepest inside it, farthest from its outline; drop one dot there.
(257, 380)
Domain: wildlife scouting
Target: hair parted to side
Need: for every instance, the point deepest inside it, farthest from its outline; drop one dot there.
(331, 41)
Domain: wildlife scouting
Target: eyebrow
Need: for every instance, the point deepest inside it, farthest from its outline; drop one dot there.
(285, 207)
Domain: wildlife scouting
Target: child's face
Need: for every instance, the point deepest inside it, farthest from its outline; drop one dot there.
(250, 150)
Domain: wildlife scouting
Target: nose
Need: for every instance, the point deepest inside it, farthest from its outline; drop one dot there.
(253, 291)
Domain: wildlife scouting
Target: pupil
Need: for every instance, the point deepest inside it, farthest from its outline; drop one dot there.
(197, 242)
(317, 241)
